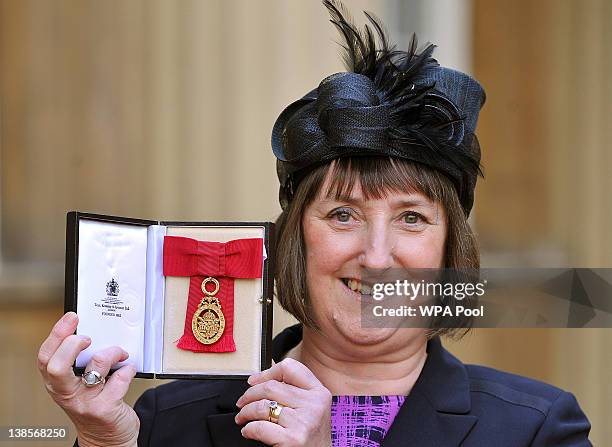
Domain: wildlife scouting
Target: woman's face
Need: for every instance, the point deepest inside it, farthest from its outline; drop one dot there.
(343, 238)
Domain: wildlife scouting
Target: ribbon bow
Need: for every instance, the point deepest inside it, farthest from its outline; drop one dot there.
(240, 258)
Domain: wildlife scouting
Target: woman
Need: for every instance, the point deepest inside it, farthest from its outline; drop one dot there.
(377, 169)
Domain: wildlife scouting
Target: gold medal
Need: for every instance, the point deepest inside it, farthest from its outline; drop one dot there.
(208, 322)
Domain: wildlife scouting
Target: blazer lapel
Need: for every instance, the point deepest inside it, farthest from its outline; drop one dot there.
(222, 427)
(419, 424)
(436, 412)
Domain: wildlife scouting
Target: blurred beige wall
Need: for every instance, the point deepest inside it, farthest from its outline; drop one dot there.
(159, 109)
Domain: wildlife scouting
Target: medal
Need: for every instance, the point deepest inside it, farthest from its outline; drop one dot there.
(208, 322)
(209, 319)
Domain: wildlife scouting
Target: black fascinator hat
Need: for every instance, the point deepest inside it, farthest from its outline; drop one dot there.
(390, 103)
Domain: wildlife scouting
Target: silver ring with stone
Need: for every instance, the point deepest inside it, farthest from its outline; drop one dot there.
(92, 378)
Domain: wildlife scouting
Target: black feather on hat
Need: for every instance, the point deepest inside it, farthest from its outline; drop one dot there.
(390, 103)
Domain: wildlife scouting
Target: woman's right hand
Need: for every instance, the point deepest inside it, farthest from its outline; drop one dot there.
(100, 415)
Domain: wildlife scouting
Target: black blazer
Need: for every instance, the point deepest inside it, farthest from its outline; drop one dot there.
(450, 405)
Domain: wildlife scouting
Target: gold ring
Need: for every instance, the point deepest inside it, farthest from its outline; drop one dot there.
(274, 411)
(206, 281)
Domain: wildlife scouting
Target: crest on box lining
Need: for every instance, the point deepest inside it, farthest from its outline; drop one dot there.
(112, 288)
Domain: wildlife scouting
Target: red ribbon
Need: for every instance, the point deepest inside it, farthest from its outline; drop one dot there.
(240, 258)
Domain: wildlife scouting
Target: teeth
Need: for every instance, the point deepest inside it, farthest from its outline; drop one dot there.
(356, 286)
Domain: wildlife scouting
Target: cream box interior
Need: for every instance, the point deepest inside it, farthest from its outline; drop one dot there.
(115, 283)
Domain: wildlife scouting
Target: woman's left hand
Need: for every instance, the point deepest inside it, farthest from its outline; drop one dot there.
(306, 415)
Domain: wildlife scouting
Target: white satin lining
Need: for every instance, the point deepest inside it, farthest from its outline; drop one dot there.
(111, 252)
(154, 314)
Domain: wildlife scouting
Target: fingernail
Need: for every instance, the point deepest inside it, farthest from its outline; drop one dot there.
(85, 338)
(70, 317)
(239, 403)
(125, 353)
(252, 378)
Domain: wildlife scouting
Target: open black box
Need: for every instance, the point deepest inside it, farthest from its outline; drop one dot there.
(123, 256)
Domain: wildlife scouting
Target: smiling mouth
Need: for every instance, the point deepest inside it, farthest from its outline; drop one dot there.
(357, 286)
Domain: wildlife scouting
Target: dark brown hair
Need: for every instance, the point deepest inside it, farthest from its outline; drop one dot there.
(377, 176)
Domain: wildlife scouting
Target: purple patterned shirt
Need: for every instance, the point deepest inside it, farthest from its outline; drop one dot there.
(362, 421)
